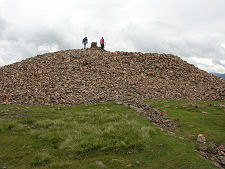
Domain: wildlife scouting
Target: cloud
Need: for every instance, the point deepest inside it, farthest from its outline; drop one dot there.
(2, 62)
(3, 24)
(201, 48)
(48, 48)
(223, 46)
(222, 62)
(193, 30)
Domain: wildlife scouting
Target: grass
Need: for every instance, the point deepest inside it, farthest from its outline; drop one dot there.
(78, 136)
(194, 117)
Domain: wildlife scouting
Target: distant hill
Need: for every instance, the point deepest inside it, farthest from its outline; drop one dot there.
(95, 76)
(219, 75)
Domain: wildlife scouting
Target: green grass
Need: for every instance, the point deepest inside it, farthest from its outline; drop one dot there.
(192, 119)
(77, 136)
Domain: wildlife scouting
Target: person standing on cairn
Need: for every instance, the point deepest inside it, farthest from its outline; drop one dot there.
(102, 43)
(85, 41)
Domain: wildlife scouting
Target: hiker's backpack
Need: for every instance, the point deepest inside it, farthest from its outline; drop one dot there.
(84, 40)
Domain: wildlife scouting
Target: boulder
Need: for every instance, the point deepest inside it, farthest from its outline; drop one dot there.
(201, 138)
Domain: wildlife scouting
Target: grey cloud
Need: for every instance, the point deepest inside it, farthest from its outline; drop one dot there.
(37, 37)
(166, 38)
(3, 24)
(218, 62)
(189, 29)
(47, 36)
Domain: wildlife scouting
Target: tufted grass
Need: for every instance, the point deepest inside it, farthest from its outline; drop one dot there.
(195, 117)
(77, 136)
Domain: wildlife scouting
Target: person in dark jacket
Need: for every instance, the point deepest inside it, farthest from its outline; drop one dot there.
(85, 41)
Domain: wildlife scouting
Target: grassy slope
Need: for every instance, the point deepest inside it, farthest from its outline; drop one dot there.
(196, 117)
(78, 136)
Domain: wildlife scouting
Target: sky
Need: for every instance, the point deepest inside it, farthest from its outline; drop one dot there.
(194, 30)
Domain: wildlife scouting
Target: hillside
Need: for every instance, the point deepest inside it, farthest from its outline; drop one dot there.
(93, 76)
(219, 75)
(108, 136)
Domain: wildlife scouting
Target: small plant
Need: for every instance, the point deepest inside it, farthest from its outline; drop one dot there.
(40, 159)
(4, 126)
(44, 123)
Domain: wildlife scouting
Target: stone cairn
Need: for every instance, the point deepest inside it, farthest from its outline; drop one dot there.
(94, 45)
(74, 77)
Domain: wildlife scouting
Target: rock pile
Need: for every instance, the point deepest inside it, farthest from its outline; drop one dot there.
(94, 76)
(214, 152)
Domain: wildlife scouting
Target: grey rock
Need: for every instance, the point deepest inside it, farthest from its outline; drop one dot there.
(100, 163)
(222, 160)
(201, 138)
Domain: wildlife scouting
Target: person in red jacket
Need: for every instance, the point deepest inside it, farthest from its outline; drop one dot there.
(102, 43)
